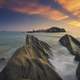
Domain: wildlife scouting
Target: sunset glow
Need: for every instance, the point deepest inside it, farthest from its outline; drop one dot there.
(75, 24)
(21, 15)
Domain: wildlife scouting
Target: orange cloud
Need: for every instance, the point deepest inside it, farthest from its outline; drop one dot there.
(71, 5)
(33, 7)
(57, 15)
(77, 13)
(74, 28)
(45, 11)
(27, 0)
(74, 24)
(2, 2)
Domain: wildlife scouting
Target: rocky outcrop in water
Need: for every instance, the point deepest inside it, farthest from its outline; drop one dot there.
(73, 45)
(30, 62)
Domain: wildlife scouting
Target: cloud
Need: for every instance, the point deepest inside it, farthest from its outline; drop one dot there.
(34, 7)
(56, 9)
(72, 6)
(74, 28)
(2, 2)
(74, 23)
(45, 11)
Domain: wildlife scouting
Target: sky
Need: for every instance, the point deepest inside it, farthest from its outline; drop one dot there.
(24, 15)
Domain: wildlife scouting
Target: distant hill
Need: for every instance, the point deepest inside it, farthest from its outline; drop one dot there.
(52, 29)
(55, 29)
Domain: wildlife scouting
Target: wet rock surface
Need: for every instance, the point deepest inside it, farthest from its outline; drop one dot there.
(77, 58)
(66, 41)
(2, 60)
(78, 72)
(30, 62)
(71, 43)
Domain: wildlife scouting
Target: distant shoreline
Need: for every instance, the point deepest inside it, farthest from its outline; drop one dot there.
(50, 30)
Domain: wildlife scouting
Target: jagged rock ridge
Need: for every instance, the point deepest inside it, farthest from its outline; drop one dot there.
(73, 45)
(30, 62)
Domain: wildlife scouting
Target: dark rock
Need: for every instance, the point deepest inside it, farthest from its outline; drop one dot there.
(71, 43)
(78, 72)
(77, 58)
(30, 62)
(2, 59)
(55, 29)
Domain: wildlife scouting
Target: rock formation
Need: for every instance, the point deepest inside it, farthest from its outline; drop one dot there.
(73, 45)
(2, 60)
(30, 62)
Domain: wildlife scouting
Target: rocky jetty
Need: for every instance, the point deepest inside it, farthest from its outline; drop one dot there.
(30, 62)
(73, 45)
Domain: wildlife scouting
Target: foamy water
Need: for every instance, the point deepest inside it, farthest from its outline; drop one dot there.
(62, 60)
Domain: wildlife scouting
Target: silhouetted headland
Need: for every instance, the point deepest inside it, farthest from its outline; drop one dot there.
(30, 62)
(52, 29)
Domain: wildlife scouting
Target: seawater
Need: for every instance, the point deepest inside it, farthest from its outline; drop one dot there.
(62, 60)
(10, 41)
